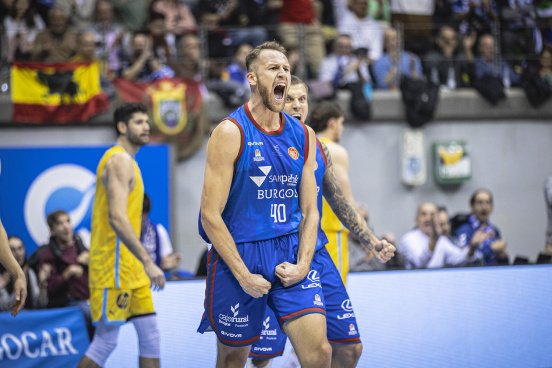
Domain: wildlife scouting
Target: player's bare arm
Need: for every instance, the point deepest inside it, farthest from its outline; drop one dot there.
(340, 165)
(9, 261)
(119, 179)
(348, 215)
(308, 228)
(222, 150)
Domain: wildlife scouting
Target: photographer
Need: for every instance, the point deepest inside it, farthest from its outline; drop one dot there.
(142, 65)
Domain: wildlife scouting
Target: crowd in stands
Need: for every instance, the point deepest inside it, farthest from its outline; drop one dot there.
(57, 272)
(453, 43)
(438, 240)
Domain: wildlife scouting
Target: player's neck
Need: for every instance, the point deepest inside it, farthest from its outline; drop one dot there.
(265, 118)
(130, 148)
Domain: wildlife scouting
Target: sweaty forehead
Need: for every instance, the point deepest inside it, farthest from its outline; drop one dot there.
(272, 57)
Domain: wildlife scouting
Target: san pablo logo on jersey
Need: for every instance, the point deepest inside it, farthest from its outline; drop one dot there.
(352, 329)
(292, 151)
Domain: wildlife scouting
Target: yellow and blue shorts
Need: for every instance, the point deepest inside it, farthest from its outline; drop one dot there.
(117, 306)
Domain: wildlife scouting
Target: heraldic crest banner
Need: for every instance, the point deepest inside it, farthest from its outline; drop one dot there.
(177, 113)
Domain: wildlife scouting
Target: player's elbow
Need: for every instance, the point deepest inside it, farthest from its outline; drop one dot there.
(115, 219)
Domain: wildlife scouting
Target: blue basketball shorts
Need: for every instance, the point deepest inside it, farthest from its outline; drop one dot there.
(235, 316)
(340, 318)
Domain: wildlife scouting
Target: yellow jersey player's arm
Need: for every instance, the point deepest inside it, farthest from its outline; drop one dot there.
(9, 261)
(347, 213)
(308, 228)
(222, 150)
(119, 179)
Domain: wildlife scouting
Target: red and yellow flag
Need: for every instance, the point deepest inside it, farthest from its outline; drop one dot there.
(56, 93)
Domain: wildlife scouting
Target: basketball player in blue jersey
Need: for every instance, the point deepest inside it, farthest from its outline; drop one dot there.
(259, 211)
(342, 328)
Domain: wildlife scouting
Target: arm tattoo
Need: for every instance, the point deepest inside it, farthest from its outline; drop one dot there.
(341, 206)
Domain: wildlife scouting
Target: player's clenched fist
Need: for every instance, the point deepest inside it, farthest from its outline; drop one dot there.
(255, 285)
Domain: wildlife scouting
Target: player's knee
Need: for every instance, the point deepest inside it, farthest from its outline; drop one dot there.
(347, 355)
(149, 338)
(260, 363)
(319, 356)
(100, 348)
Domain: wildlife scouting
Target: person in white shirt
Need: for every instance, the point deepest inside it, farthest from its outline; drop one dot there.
(365, 32)
(425, 246)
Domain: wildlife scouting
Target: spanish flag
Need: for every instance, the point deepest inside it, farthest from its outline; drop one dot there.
(56, 93)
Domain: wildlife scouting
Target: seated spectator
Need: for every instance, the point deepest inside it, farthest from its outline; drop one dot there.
(230, 24)
(109, 38)
(447, 64)
(343, 67)
(237, 70)
(155, 238)
(80, 13)
(394, 63)
(164, 47)
(365, 32)
(178, 16)
(21, 27)
(68, 259)
(87, 52)
(189, 64)
(37, 292)
(485, 63)
(142, 65)
(480, 17)
(478, 231)
(56, 44)
(444, 222)
(518, 30)
(294, 13)
(426, 247)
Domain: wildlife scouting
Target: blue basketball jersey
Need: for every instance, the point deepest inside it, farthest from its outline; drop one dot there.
(263, 202)
(319, 171)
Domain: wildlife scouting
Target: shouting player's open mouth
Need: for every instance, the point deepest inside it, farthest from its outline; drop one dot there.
(279, 91)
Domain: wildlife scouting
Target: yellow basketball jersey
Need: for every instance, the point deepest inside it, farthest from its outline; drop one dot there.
(337, 235)
(112, 265)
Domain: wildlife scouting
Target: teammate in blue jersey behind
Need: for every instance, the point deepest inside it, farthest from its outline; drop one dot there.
(342, 328)
(259, 211)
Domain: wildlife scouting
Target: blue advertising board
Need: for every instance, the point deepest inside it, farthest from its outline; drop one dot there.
(37, 181)
(49, 338)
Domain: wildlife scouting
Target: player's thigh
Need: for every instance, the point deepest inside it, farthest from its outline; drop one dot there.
(307, 333)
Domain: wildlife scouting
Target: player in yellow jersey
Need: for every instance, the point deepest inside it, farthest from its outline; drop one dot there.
(120, 270)
(327, 121)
